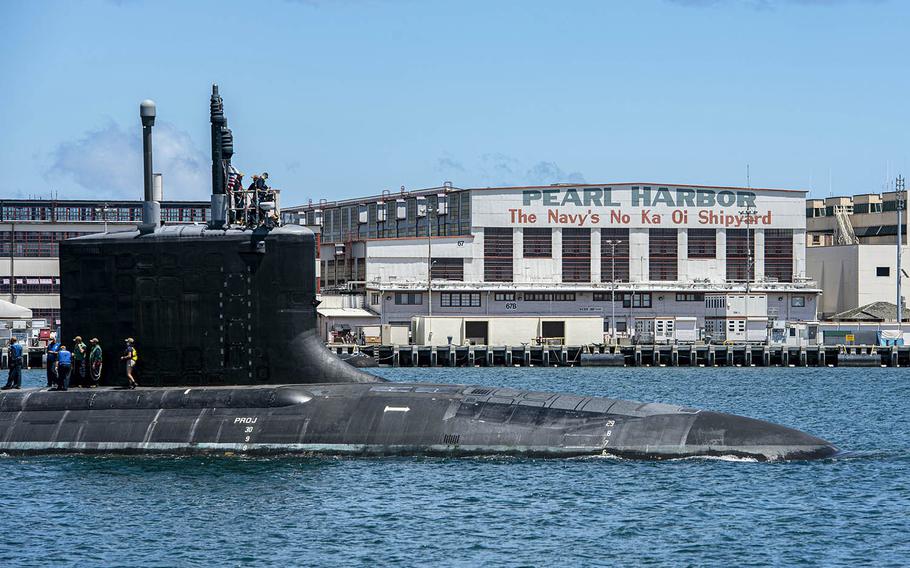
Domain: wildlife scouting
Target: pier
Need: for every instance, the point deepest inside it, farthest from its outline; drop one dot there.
(743, 355)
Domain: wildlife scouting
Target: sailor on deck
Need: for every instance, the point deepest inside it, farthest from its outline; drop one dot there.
(95, 360)
(131, 356)
(14, 381)
(52, 349)
(80, 354)
(64, 367)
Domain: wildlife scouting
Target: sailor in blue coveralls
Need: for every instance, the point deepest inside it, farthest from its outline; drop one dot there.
(15, 365)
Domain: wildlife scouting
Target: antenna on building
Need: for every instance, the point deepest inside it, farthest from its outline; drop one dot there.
(748, 177)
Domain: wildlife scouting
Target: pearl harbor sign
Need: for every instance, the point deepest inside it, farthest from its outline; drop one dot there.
(640, 206)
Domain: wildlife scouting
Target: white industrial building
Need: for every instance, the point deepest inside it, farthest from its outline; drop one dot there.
(852, 249)
(856, 275)
(524, 264)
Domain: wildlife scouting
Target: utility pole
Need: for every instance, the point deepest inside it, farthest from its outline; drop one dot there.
(12, 262)
(749, 213)
(899, 188)
(612, 244)
(750, 263)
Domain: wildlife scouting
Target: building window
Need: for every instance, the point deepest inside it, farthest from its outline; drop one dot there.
(690, 297)
(702, 243)
(798, 301)
(51, 315)
(460, 300)
(614, 264)
(538, 243)
(576, 255)
(606, 296)
(663, 253)
(497, 254)
(447, 269)
(739, 241)
(883, 271)
(779, 254)
(636, 300)
(816, 240)
(374, 298)
(504, 296)
(549, 296)
(43, 244)
(408, 299)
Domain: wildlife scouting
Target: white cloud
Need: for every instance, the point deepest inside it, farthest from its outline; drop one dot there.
(108, 163)
(497, 169)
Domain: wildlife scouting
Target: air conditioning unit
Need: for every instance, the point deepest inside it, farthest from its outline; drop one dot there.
(421, 206)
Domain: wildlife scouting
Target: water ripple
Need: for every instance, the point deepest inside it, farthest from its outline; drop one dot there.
(848, 510)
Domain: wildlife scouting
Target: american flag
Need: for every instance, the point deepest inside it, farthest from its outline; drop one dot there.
(233, 181)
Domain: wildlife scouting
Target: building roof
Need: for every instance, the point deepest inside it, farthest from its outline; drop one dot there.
(393, 195)
(9, 310)
(876, 311)
(345, 313)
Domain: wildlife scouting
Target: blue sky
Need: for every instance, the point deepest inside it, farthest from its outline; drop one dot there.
(340, 99)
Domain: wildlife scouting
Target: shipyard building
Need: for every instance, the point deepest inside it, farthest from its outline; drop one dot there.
(852, 251)
(30, 235)
(573, 264)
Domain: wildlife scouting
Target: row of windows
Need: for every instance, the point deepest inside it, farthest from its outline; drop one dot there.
(100, 214)
(460, 300)
(629, 299)
(34, 243)
(447, 269)
(663, 253)
(690, 297)
(633, 300)
(30, 285)
(396, 217)
(408, 299)
(549, 296)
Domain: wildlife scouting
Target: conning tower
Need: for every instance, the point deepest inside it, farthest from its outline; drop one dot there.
(207, 305)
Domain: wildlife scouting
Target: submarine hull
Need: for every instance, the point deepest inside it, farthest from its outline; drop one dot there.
(383, 419)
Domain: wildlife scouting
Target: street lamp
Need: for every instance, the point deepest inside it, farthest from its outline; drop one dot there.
(103, 210)
(612, 244)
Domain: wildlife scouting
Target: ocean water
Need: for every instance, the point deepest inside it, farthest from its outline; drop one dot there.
(203, 511)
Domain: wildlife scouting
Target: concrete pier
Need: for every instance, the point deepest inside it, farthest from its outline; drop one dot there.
(744, 355)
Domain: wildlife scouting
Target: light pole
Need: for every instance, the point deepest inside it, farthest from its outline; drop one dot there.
(612, 244)
(103, 210)
(429, 279)
(749, 212)
(899, 188)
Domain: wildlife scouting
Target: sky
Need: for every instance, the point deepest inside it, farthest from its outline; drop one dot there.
(353, 97)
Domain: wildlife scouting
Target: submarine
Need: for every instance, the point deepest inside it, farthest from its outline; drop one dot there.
(224, 316)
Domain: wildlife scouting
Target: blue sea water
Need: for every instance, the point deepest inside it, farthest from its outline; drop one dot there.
(204, 511)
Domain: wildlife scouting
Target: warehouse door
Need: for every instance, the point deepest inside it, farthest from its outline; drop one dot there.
(553, 332)
(477, 332)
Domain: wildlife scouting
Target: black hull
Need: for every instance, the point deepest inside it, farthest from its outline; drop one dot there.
(380, 420)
